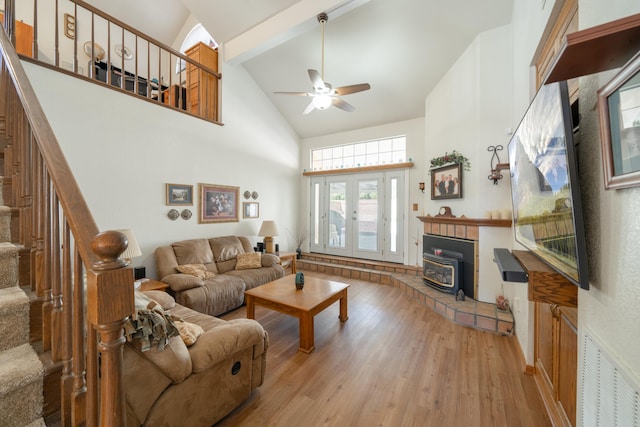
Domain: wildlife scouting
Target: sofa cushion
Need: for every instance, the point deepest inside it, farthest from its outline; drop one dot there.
(248, 261)
(165, 300)
(226, 248)
(194, 251)
(197, 270)
(181, 281)
(174, 361)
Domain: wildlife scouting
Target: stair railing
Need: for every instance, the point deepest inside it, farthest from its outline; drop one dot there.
(86, 291)
(77, 38)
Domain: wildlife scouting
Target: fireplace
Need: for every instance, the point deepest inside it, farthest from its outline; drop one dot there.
(443, 270)
(443, 253)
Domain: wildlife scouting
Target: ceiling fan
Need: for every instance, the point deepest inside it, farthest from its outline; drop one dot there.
(324, 95)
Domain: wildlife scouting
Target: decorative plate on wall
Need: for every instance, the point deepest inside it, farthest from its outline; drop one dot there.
(254, 195)
(98, 51)
(247, 194)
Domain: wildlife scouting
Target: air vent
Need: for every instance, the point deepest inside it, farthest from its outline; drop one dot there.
(610, 396)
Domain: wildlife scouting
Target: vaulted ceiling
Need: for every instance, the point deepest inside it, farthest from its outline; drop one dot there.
(402, 48)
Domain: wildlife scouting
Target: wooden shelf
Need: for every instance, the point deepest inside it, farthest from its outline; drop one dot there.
(359, 169)
(600, 48)
(546, 284)
(463, 220)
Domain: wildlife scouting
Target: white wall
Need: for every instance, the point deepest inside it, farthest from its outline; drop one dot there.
(470, 110)
(609, 309)
(414, 131)
(123, 151)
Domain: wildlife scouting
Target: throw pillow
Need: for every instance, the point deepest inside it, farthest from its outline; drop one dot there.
(189, 332)
(248, 261)
(197, 270)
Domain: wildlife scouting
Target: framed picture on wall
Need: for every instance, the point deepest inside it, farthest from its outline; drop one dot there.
(619, 109)
(218, 203)
(179, 195)
(446, 182)
(250, 210)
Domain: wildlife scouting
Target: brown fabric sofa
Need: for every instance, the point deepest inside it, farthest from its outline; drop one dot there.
(196, 385)
(224, 291)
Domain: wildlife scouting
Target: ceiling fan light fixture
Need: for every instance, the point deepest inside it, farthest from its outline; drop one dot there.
(322, 102)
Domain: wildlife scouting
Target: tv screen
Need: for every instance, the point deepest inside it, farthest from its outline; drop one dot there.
(547, 212)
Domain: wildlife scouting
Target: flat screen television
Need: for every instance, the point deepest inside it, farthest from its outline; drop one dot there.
(547, 210)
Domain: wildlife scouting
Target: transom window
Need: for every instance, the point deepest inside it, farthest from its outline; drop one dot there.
(360, 154)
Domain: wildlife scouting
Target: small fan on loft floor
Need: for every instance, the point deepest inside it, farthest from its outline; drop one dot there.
(324, 95)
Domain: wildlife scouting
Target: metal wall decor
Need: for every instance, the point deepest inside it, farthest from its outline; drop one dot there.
(186, 214)
(173, 214)
(495, 175)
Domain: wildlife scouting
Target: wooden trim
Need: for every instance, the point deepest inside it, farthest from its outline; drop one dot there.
(600, 48)
(404, 165)
(545, 284)
(137, 33)
(561, 22)
(463, 220)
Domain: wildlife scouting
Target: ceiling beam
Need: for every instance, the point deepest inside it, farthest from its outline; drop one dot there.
(284, 26)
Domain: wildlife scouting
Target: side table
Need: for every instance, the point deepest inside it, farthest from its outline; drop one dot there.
(288, 256)
(153, 285)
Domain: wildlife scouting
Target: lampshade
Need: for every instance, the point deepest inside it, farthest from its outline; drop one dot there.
(133, 250)
(268, 229)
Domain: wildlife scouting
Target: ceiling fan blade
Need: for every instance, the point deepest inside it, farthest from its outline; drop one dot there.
(316, 79)
(343, 105)
(294, 93)
(309, 108)
(346, 90)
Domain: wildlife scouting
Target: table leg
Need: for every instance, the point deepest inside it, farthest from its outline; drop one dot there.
(251, 308)
(306, 333)
(344, 307)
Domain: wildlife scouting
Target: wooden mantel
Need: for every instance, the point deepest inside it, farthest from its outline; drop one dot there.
(463, 220)
(462, 227)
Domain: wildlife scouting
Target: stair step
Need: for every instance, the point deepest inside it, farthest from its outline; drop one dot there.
(14, 318)
(8, 265)
(20, 387)
(5, 223)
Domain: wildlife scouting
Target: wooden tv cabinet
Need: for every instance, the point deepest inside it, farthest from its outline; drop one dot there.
(555, 338)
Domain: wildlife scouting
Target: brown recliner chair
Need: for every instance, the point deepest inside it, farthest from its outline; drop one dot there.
(196, 385)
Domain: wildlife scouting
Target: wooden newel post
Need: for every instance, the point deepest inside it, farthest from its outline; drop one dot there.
(109, 304)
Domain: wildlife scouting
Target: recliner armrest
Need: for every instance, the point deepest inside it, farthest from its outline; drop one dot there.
(269, 260)
(221, 342)
(182, 281)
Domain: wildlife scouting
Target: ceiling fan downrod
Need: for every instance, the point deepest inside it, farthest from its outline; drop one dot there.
(322, 19)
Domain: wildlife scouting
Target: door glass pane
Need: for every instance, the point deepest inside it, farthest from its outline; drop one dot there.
(337, 205)
(316, 213)
(393, 216)
(367, 215)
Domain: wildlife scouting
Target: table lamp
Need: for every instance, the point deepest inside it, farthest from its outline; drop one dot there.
(268, 230)
(133, 249)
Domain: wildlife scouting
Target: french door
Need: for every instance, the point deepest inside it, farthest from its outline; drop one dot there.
(359, 215)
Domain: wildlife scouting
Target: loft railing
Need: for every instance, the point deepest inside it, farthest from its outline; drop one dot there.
(84, 290)
(77, 38)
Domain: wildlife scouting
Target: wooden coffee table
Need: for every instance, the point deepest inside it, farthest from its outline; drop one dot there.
(281, 295)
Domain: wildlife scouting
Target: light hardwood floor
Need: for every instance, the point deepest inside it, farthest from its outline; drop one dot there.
(393, 363)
